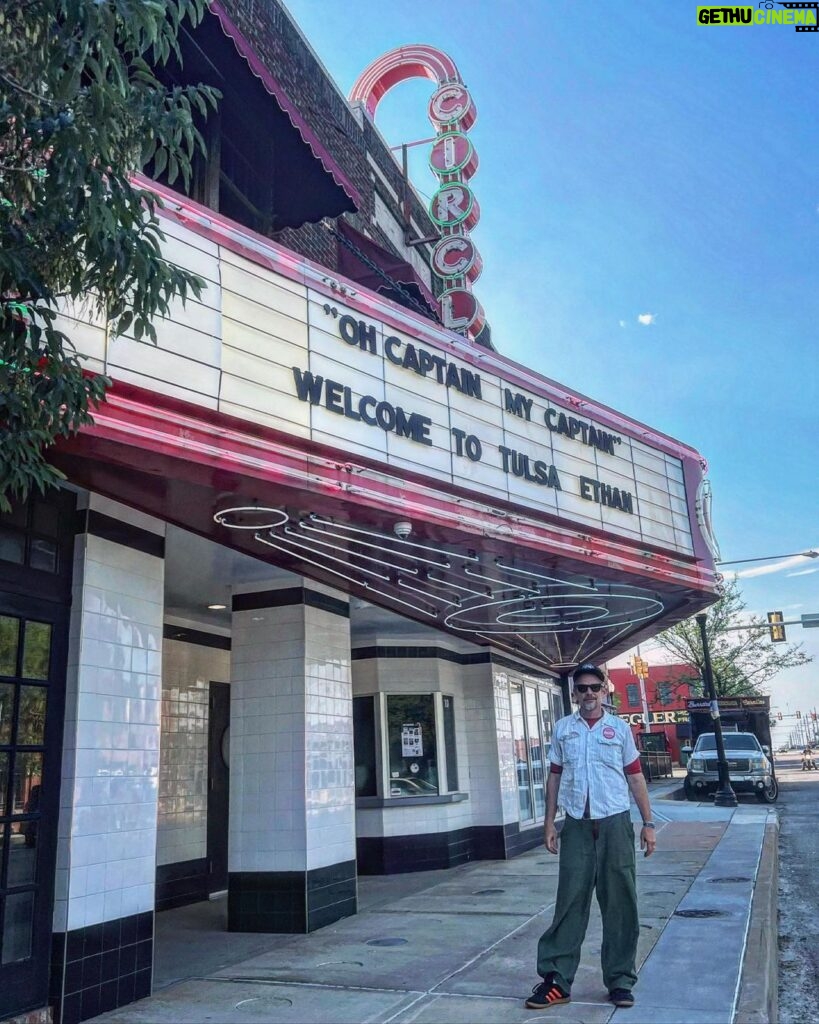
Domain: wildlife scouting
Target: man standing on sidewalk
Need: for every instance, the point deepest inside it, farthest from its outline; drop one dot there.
(594, 765)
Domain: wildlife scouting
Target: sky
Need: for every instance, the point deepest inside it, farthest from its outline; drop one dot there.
(649, 193)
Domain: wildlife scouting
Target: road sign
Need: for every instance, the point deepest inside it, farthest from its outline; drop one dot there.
(811, 621)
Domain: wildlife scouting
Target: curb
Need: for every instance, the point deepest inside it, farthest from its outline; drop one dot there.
(758, 1001)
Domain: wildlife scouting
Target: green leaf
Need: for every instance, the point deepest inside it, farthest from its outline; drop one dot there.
(76, 226)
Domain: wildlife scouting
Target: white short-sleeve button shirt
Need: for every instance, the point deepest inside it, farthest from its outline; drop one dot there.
(592, 763)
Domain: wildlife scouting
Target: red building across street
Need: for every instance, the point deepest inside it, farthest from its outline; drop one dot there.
(666, 690)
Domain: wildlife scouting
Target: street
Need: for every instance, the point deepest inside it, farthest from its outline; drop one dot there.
(798, 891)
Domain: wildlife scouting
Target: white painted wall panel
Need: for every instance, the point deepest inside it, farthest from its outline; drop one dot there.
(365, 378)
(525, 493)
(174, 230)
(249, 338)
(435, 463)
(245, 394)
(154, 363)
(484, 476)
(263, 318)
(258, 370)
(88, 339)
(187, 252)
(264, 288)
(184, 338)
(488, 411)
(434, 411)
(161, 387)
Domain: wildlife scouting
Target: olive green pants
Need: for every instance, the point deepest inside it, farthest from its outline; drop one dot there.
(594, 855)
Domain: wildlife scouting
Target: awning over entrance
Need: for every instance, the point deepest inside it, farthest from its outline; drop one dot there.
(285, 102)
(274, 172)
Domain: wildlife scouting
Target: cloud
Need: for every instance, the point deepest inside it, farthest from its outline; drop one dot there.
(766, 570)
(646, 318)
(622, 323)
(803, 572)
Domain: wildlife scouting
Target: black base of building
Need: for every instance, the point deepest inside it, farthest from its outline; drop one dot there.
(291, 901)
(182, 883)
(393, 855)
(101, 967)
(520, 840)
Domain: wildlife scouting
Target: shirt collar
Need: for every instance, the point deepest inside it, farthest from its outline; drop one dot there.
(576, 714)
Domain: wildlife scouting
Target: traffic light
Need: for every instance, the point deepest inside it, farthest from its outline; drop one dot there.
(779, 715)
(798, 714)
(639, 666)
(775, 627)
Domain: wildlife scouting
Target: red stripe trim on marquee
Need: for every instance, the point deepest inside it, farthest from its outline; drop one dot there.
(262, 251)
(144, 422)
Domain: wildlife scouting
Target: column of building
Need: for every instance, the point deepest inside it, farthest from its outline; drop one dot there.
(291, 852)
(104, 908)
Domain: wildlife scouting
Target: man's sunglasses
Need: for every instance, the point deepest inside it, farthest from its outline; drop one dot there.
(583, 687)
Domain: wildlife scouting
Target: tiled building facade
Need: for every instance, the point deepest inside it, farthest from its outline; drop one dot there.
(285, 628)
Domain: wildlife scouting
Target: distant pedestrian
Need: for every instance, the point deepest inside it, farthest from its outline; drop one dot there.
(594, 765)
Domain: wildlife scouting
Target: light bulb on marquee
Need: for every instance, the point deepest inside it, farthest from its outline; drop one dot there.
(453, 207)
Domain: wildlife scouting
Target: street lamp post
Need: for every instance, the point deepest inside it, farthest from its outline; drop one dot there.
(770, 558)
(725, 796)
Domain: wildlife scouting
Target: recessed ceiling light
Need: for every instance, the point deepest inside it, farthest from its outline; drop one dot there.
(217, 607)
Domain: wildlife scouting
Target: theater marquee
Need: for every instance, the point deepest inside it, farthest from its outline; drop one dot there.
(384, 395)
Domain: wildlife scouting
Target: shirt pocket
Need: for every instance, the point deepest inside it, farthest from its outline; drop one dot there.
(571, 749)
(611, 752)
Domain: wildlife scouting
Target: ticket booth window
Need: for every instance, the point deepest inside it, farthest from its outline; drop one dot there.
(405, 745)
(412, 742)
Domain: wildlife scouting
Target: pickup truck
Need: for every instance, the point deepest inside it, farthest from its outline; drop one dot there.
(749, 767)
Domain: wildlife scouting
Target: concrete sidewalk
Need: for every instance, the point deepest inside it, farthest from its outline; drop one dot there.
(459, 945)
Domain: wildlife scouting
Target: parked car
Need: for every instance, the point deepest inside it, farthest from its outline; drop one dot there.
(749, 767)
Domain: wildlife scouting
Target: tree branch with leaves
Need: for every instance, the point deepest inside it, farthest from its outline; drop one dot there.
(81, 110)
(743, 659)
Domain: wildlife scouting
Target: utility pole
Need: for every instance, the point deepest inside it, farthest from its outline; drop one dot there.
(725, 795)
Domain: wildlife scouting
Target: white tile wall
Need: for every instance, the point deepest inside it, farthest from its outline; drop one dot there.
(291, 781)
(107, 829)
(329, 769)
(482, 737)
(182, 825)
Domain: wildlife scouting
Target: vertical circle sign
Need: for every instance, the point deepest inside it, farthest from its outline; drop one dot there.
(461, 311)
(450, 105)
(456, 256)
(453, 153)
(454, 204)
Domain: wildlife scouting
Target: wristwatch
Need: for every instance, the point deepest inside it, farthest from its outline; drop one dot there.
(649, 824)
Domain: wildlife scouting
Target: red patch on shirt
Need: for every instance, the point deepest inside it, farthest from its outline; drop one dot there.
(609, 733)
